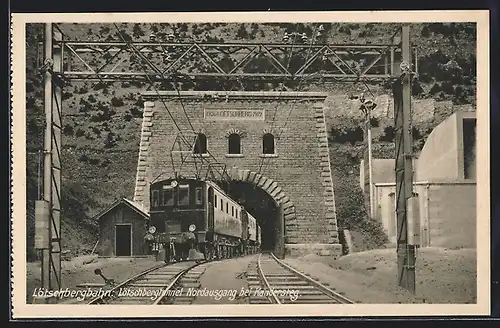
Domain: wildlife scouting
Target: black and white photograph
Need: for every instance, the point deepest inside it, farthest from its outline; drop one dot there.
(327, 164)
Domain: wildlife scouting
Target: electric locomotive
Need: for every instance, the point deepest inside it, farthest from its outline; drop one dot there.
(197, 214)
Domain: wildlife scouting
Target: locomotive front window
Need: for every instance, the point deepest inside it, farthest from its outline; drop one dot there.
(168, 196)
(222, 205)
(173, 227)
(183, 195)
(155, 198)
(232, 210)
(236, 213)
(199, 196)
(227, 208)
(215, 201)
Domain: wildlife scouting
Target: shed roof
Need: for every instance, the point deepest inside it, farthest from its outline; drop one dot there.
(133, 205)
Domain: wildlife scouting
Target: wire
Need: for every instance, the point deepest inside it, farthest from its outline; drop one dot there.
(284, 79)
(163, 102)
(156, 90)
(313, 38)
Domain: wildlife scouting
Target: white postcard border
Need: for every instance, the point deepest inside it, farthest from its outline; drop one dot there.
(18, 185)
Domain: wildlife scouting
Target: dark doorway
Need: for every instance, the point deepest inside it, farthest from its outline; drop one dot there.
(260, 205)
(123, 240)
(469, 140)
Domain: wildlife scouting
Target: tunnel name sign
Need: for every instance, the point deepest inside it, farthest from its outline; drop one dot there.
(234, 114)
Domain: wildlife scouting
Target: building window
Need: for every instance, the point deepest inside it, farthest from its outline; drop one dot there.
(168, 196)
(199, 196)
(183, 195)
(215, 201)
(268, 144)
(200, 145)
(234, 143)
(155, 198)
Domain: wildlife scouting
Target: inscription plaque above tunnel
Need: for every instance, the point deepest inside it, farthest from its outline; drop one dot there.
(296, 176)
(234, 114)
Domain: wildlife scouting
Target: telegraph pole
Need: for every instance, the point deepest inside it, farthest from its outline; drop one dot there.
(48, 210)
(406, 207)
(368, 117)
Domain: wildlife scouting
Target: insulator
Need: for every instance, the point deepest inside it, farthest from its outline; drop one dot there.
(319, 34)
(152, 37)
(321, 28)
(324, 58)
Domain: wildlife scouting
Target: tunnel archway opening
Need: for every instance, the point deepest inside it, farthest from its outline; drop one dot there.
(260, 205)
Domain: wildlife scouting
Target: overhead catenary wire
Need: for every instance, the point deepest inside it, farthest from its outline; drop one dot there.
(280, 93)
(163, 102)
(156, 90)
(313, 38)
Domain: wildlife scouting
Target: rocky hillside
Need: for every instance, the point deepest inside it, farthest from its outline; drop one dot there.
(101, 121)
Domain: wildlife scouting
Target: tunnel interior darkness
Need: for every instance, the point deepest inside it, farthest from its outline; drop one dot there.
(260, 205)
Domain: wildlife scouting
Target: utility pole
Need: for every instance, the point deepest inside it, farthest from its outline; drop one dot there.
(366, 107)
(368, 117)
(406, 206)
(48, 210)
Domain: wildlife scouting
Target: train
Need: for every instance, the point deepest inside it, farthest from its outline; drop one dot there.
(197, 214)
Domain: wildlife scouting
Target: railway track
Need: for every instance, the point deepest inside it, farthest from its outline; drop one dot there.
(158, 285)
(273, 281)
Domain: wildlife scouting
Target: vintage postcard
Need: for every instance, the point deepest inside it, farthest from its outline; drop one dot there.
(250, 164)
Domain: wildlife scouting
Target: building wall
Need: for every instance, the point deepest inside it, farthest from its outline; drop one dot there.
(386, 210)
(121, 214)
(452, 212)
(447, 213)
(301, 167)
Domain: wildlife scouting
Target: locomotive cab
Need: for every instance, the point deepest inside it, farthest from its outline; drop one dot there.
(177, 212)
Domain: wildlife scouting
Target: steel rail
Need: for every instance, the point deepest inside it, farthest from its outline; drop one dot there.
(99, 300)
(266, 283)
(175, 280)
(334, 295)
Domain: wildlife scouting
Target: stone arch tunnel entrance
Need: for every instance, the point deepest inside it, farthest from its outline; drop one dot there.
(261, 206)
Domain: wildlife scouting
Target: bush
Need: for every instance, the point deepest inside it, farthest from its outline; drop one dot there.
(91, 99)
(80, 132)
(83, 158)
(389, 134)
(116, 102)
(351, 135)
(67, 95)
(68, 130)
(136, 112)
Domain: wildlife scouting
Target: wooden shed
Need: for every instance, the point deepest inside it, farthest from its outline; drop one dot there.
(122, 228)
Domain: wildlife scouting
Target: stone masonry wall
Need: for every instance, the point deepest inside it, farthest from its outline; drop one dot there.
(298, 175)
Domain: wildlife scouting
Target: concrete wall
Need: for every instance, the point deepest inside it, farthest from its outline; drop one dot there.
(121, 214)
(452, 214)
(386, 210)
(447, 213)
(299, 175)
(439, 156)
(442, 157)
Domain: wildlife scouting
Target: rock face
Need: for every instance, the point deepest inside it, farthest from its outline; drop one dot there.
(292, 166)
